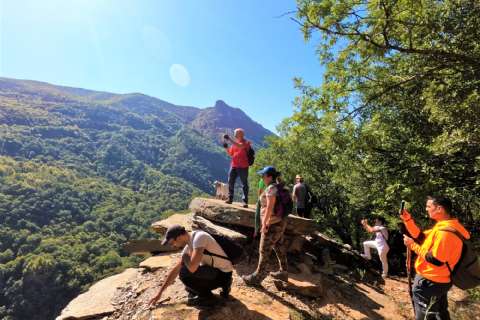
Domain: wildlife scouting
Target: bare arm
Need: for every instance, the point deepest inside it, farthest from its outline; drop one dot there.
(193, 263)
(269, 211)
(172, 275)
(260, 191)
(367, 227)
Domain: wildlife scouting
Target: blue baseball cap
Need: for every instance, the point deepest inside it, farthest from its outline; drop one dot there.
(270, 171)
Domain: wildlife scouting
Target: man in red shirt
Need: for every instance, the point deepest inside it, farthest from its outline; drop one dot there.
(239, 165)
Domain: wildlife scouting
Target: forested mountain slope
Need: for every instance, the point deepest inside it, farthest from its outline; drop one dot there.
(83, 171)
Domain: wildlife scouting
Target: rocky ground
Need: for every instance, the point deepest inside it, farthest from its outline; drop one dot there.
(305, 296)
(327, 280)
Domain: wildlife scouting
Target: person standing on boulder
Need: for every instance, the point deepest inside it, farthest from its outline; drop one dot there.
(299, 196)
(438, 251)
(238, 151)
(201, 268)
(272, 230)
(380, 242)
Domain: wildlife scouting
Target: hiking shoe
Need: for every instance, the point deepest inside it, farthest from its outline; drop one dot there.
(229, 202)
(245, 205)
(251, 280)
(280, 275)
(225, 293)
(364, 256)
(202, 301)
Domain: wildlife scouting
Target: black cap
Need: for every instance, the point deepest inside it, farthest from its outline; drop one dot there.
(173, 232)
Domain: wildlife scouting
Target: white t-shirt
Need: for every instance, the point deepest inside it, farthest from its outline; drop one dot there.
(381, 236)
(201, 239)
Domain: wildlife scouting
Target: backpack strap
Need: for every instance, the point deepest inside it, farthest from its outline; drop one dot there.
(205, 251)
(459, 235)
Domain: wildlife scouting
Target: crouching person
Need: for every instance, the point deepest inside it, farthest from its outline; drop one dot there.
(201, 268)
(272, 229)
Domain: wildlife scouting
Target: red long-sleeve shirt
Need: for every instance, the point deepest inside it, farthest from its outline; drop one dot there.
(239, 155)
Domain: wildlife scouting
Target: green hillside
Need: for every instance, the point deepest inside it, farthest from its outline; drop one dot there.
(81, 172)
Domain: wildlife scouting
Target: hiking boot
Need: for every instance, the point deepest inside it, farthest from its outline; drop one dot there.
(202, 301)
(229, 202)
(225, 293)
(245, 205)
(251, 280)
(280, 275)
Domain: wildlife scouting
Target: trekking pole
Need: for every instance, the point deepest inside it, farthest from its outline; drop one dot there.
(408, 265)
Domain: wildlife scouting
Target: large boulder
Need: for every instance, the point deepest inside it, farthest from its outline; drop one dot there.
(157, 262)
(184, 220)
(212, 228)
(143, 246)
(234, 214)
(97, 301)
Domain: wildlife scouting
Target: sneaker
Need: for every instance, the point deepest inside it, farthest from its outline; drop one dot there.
(251, 280)
(364, 256)
(229, 202)
(280, 275)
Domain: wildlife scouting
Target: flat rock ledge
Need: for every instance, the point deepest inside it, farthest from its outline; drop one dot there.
(97, 301)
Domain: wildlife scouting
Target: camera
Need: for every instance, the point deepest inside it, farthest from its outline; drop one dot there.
(226, 137)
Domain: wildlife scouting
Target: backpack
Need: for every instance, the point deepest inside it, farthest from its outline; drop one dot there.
(251, 156)
(311, 197)
(466, 274)
(235, 252)
(284, 203)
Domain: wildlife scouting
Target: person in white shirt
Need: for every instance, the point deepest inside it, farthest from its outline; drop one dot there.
(201, 268)
(380, 243)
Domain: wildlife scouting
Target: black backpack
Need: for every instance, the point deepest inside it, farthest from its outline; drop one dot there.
(234, 251)
(284, 203)
(466, 273)
(251, 156)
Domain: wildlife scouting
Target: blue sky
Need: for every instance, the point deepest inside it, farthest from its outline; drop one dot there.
(188, 52)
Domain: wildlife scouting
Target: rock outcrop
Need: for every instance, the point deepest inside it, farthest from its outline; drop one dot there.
(97, 301)
(324, 281)
(220, 212)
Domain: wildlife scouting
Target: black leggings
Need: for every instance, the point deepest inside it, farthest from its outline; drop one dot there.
(205, 279)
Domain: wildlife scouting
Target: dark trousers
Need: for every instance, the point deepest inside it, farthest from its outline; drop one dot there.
(204, 280)
(430, 299)
(302, 212)
(232, 177)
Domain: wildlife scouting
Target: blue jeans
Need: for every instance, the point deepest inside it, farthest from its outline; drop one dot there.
(232, 177)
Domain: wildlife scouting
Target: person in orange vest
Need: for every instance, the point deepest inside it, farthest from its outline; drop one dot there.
(438, 251)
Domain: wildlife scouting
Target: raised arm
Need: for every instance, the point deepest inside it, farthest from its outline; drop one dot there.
(269, 212)
(412, 228)
(368, 227)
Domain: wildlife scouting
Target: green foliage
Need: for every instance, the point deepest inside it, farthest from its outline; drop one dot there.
(80, 174)
(396, 116)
